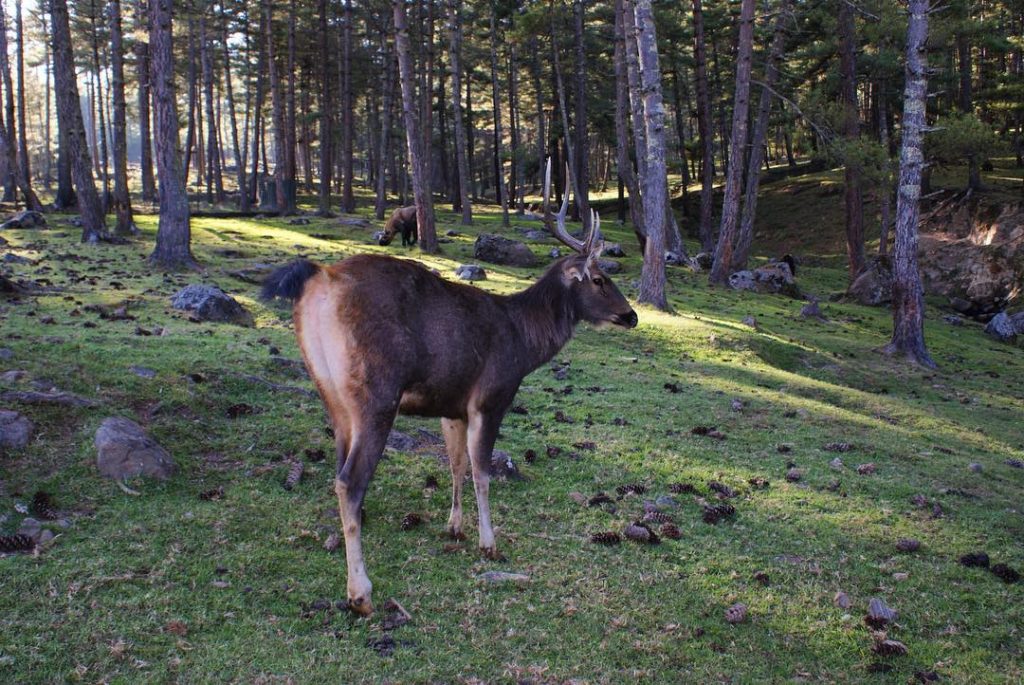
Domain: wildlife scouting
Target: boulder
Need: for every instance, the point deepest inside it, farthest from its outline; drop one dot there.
(536, 235)
(774, 277)
(873, 286)
(471, 272)
(25, 219)
(609, 266)
(500, 250)
(1006, 327)
(502, 466)
(210, 303)
(613, 250)
(675, 259)
(704, 260)
(554, 253)
(15, 430)
(354, 221)
(124, 451)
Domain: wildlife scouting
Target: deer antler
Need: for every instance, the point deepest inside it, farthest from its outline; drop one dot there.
(556, 222)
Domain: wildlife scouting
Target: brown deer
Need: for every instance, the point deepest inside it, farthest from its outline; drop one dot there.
(464, 354)
(403, 220)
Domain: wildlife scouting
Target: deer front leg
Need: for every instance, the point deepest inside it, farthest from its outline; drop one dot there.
(481, 434)
(455, 441)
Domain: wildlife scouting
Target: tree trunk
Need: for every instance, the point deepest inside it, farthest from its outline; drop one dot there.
(462, 160)
(499, 163)
(326, 106)
(348, 202)
(23, 158)
(290, 127)
(907, 296)
(757, 142)
(257, 115)
(47, 134)
(627, 174)
(103, 156)
(121, 199)
(237, 146)
(284, 181)
(885, 189)
(652, 276)
(385, 156)
(214, 182)
(12, 175)
(707, 161)
(542, 134)
(567, 138)
(854, 199)
(681, 135)
(517, 191)
(69, 117)
(720, 270)
(145, 136)
(582, 163)
(413, 135)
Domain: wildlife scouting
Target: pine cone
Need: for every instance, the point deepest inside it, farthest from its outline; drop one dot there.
(430, 483)
(794, 475)
(681, 488)
(975, 559)
(638, 532)
(1007, 574)
(763, 578)
(671, 531)
(838, 447)
(701, 430)
(529, 456)
(656, 517)
(332, 542)
(759, 483)
(866, 469)
(908, 545)
(889, 648)
(634, 488)
(42, 506)
(1015, 463)
(606, 538)
(599, 499)
(411, 520)
(294, 475)
(16, 543)
(737, 613)
(721, 488)
(212, 495)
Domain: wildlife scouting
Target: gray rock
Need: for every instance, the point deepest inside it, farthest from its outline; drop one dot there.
(704, 260)
(873, 286)
(124, 451)
(400, 441)
(497, 249)
(355, 221)
(6, 354)
(975, 467)
(210, 303)
(674, 258)
(536, 235)
(32, 528)
(751, 321)
(300, 222)
(953, 320)
(555, 253)
(1006, 327)
(15, 430)
(812, 311)
(774, 277)
(614, 250)
(451, 233)
(142, 371)
(11, 258)
(666, 502)
(471, 272)
(25, 219)
(502, 466)
(377, 236)
(742, 280)
(13, 376)
(609, 266)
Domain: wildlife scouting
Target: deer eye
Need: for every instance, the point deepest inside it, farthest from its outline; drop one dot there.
(598, 281)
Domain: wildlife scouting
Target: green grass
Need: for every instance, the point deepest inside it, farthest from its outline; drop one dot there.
(101, 602)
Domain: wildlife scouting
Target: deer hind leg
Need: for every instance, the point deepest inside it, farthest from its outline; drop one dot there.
(350, 483)
(458, 457)
(481, 434)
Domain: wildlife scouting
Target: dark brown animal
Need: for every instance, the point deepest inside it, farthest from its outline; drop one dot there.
(464, 354)
(403, 220)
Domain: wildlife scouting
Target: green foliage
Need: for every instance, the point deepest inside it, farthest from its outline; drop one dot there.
(958, 137)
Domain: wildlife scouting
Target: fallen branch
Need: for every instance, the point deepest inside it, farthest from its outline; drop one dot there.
(278, 387)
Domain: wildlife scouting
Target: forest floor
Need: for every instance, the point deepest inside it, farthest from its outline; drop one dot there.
(169, 587)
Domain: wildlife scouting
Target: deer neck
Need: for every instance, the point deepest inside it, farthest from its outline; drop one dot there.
(545, 316)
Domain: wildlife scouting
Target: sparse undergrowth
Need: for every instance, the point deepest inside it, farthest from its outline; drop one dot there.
(238, 587)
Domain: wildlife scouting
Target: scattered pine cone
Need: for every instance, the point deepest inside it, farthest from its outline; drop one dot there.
(759, 483)
(529, 456)
(838, 447)
(606, 538)
(411, 520)
(721, 488)
(866, 469)
(212, 495)
(919, 501)
(890, 648)
(794, 475)
(430, 483)
(1007, 574)
(42, 506)
(656, 517)
(975, 559)
(763, 578)
(681, 488)
(879, 615)
(554, 451)
(713, 513)
(631, 488)
(314, 456)
(701, 430)
(784, 448)
(737, 613)
(1015, 463)
(671, 531)
(16, 543)
(332, 542)
(294, 474)
(908, 545)
(637, 532)
(599, 499)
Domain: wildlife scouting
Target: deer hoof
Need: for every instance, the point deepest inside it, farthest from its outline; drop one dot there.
(456, 534)
(360, 605)
(492, 553)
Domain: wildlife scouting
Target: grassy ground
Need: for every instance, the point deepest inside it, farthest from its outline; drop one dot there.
(169, 587)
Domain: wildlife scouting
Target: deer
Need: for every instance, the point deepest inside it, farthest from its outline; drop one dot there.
(402, 220)
(464, 354)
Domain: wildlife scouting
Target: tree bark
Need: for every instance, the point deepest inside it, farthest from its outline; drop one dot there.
(385, 155)
(413, 135)
(284, 181)
(720, 270)
(326, 161)
(652, 276)
(462, 161)
(214, 179)
(23, 158)
(707, 161)
(853, 195)
(121, 200)
(69, 116)
(885, 189)
(499, 163)
(103, 156)
(237, 146)
(757, 141)
(582, 163)
(567, 138)
(173, 238)
(627, 174)
(348, 202)
(907, 296)
(145, 136)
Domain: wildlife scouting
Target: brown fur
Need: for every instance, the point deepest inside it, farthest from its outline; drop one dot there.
(402, 220)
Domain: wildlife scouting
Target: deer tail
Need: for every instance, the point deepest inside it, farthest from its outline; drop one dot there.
(289, 281)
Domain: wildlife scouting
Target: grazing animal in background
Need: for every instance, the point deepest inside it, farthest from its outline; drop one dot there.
(789, 261)
(402, 220)
(464, 352)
